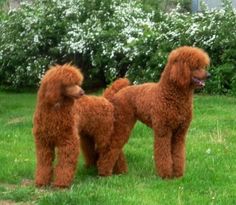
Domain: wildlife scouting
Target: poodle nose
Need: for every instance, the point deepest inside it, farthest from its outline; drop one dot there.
(208, 75)
(82, 92)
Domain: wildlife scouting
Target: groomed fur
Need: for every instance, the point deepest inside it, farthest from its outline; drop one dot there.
(166, 107)
(96, 126)
(62, 112)
(55, 126)
(115, 87)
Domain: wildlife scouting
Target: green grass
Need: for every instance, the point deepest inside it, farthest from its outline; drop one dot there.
(210, 173)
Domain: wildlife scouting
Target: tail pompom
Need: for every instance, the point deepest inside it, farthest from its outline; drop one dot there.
(115, 87)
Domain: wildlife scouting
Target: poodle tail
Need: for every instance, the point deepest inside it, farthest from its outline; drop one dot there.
(115, 87)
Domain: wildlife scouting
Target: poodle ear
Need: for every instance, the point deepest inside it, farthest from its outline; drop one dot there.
(52, 92)
(180, 73)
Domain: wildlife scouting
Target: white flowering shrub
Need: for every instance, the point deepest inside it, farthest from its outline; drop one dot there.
(111, 38)
(102, 34)
(214, 31)
(217, 33)
(29, 42)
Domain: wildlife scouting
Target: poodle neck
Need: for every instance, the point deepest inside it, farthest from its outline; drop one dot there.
(59, 104)
(172, 90)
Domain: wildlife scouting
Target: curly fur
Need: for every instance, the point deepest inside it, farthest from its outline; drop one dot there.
(166, 107)
(64, 119)
(95, 128)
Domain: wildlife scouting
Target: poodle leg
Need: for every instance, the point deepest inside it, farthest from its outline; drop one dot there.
(178, 153)
(109, 157)
(162, 155)
(107, 160)
(67, 160)
(88, 148)
(121, 165)
(44, 167)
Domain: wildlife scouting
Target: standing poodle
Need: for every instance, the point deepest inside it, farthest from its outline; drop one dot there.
(55, 125)
(64, 119)
(166, 107)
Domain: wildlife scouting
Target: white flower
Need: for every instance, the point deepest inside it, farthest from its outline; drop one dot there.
(130, 39)
(208, 151)
(36, 39)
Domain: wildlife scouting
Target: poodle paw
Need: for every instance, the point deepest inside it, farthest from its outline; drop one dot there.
(41, 184)
(178, 171)
(178, 174)
(166, 175)
(105, 173)
(60, 185)
(120, 170)
(42, 181)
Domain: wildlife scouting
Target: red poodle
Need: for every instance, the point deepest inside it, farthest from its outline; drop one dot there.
(166, 107)
(64, 119)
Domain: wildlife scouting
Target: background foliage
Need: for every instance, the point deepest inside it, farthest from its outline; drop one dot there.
(108, 39)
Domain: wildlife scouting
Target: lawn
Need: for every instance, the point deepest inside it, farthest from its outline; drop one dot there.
(210, 172)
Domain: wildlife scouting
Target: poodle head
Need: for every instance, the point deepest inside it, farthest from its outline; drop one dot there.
(188, 67)
(61, 82)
